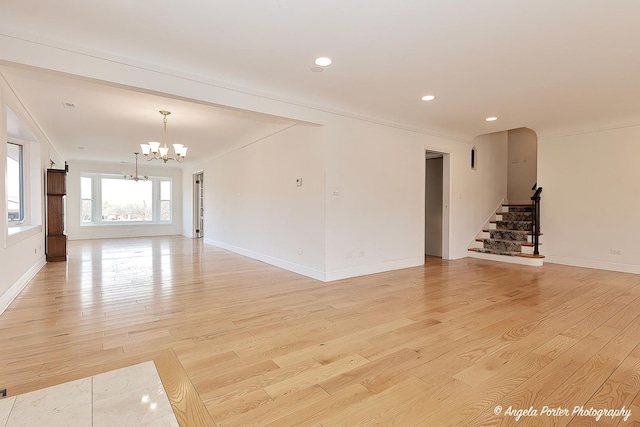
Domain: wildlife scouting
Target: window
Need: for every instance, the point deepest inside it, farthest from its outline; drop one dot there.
(23, 182)
(126, 200)
(165, 200)
(474, 158)
(109, 199)
(15, 184)
(86, 199)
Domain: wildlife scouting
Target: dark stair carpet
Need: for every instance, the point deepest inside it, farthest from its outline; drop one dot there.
(511, 232)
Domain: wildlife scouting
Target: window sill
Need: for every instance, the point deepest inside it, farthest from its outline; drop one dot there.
(124, 224)
(21, 232)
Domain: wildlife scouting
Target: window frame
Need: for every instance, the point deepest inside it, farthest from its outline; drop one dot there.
(91, 200)
(32, 180)
(161, 200)
(22, 181)
(96, 208)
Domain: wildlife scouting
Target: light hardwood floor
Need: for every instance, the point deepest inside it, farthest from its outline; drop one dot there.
(439, 345)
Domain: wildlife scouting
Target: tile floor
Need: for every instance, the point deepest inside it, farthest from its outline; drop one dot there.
(131, 396)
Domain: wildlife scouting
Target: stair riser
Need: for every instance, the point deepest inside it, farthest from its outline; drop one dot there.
(513, 225)
(517, 216)
(509, 259)
(518, 236)
(494, 252)
(488, 235)
(517, 209)
(527, 250)
(501, 245)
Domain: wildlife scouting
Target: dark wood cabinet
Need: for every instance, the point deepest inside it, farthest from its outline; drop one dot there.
(56, 192)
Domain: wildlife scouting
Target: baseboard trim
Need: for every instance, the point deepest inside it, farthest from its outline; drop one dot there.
(600, 265)
(287, 265)
(347, 273)
(328, 276)
(7, 298)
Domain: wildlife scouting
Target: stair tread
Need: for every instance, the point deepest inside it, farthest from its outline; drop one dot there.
(512, 225)
(503, 212)
(487, 230)
(519, 242)
(530, 255)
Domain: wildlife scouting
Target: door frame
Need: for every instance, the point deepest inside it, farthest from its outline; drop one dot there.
(198, 205)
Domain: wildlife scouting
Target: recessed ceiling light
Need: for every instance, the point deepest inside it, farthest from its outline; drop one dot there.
(323, 61)
(491, 119)
(428, 98)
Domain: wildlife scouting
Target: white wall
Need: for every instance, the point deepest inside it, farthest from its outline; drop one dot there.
(485, 187)
(591, 199)
(523, 167)
(254, 207)
(22, 254)
(251, 202)
(376, 223)
(75, 230)
(379, 201)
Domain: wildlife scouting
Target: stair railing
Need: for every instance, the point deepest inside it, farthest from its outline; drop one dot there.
(535, 223)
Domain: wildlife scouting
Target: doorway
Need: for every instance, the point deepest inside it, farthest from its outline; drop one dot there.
(436, 209)
(198, 205)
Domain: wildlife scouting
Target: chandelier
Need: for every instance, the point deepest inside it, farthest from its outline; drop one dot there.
(153, 150)
(136, 177)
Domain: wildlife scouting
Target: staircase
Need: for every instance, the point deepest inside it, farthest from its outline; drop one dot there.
(509, 237)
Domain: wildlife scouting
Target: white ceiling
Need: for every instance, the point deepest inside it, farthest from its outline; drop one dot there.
(553, 66)
(108, 123)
